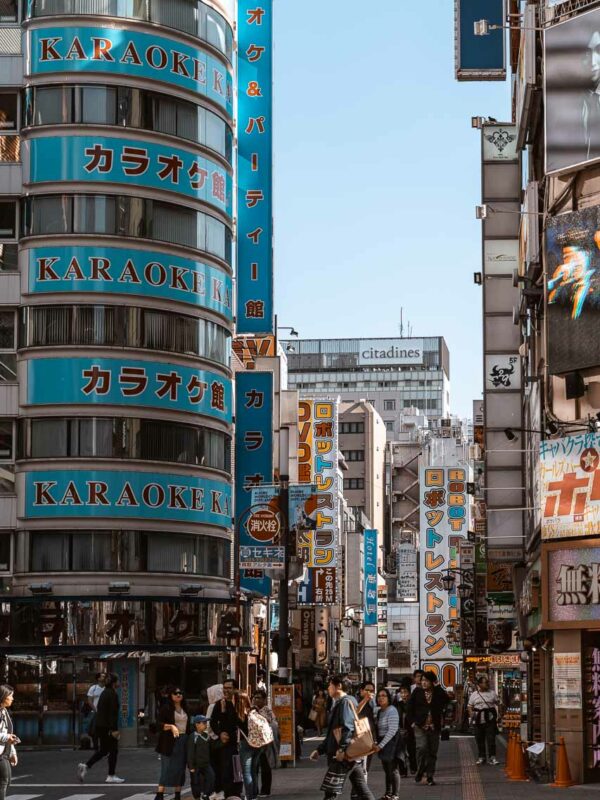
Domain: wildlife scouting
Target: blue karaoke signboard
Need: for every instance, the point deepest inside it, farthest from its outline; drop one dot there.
(109, 159)
(119, 270)
(255, 169)
(124, 382)
(125, 494)
(118, 51)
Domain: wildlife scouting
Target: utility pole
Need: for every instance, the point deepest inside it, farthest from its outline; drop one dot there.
(284, 628)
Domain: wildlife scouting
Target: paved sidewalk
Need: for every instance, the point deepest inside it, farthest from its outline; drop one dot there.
(50, 775)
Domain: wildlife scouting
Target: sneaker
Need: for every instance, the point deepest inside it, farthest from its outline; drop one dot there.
(480, 761)
(220, 796)
(431, 782)
(81, 771)
(213, 796)
(114, 779)
(493, 761)
(418, 777)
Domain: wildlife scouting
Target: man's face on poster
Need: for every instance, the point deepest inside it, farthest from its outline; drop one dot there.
(592, 58)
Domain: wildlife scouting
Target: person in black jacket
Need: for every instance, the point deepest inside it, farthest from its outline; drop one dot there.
(173, 731)
(426, 711)
(107, 730)
(342, 716)
(405, 749)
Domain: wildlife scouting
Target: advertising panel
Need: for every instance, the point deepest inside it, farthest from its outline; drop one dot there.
(118, 270)
(444, 525)
(108, 159)
(571, 87)
(407, 582)
(124, 494)
(253, 454)
(385, 352)
(262, 524)
(115, 51)
(282, 703)
(370, 577)
(500, 256)
(570, 486)
(255, 168)
(573, 586)
(592, 711)
(479, 58)
(317, 464)
(573, 289)
(567, 680)
(120, 382)
(503, 371)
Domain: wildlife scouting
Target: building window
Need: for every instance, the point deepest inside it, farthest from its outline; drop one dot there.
(8, 219)
(389, 425)
(354, 483)
(354, 455)
(127, 551)
(8, 257)
(8, 358)
(5, 548)
(389, 405)
(194, 17)
(138, 439)
(127, 107)
(352, 427)
(118, 326)
(133, 217)
(9, 11)
(7, 436)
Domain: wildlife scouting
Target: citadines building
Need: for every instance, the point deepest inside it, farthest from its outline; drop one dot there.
(393, 374)
(116, 185)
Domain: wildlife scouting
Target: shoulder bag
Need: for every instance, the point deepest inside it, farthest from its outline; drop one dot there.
(361, 743)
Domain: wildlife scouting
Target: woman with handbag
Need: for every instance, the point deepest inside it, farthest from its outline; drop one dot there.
(318, 712)
(255, 735)
(483, 708)
(173, 730)
(387, 740)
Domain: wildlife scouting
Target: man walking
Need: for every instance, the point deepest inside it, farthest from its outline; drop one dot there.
(342, 717)
(107, 729)
(425, 711)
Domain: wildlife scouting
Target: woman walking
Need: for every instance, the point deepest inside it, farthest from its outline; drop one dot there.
(319, 711)
(173, 730)
(107, 731)
(8, 740)
(387, 739)
(483, 708)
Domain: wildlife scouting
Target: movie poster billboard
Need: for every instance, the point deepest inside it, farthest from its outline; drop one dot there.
(573, 290)
(571, 89)
(570, 486)
(444, 525)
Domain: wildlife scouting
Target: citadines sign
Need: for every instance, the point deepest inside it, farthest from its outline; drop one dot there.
(375, 352)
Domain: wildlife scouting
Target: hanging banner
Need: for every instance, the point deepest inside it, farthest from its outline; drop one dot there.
(479, 58)
(407, 580)
(370, 577)
(130, 53)
(253, 458)
(317, 464)
(255, 168)
(120, 382)
(110, 159)
(444, 524)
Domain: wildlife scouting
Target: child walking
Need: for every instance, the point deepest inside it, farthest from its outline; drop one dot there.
(202, 776)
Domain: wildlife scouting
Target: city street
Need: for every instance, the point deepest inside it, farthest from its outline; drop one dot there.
(50, 775)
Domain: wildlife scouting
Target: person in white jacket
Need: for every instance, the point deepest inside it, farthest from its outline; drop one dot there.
(8, 740)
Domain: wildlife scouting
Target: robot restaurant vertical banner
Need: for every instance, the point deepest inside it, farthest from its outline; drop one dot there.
(255, 167)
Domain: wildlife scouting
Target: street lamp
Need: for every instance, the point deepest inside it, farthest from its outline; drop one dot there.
(465, 590)
(482, 27)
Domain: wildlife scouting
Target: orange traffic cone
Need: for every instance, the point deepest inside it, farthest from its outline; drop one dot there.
(510, 754)
(518, 772)
(563, 771)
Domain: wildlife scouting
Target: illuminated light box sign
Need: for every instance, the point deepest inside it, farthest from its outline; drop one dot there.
(255, 168)
(127, 495)
(108, 159)
(120, 382)
(111, 51)
(118, 270)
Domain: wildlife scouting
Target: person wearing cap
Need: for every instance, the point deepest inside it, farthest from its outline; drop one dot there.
(202, 776)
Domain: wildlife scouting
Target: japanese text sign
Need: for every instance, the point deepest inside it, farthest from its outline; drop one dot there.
(592, 707)
(116, 382)
(255, 178)
(108, 159)
(253, 457)
(125, 494)
(117, 270)
(570, 486)
(370, 577)
(444, 524)
(573, 589)
(112, 51)
(318, 465)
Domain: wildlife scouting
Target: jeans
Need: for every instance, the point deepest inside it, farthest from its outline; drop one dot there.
(250, 756)
(5, 776)
(428, 744)
(202, 781)
(485, 734)
(392, 776)
(109, 746)
(411, 749)
(358, 779)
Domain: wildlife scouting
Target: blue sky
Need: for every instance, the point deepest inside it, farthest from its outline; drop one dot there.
(377, 176)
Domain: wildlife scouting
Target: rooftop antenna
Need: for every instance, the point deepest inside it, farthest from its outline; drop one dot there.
(401, 323)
